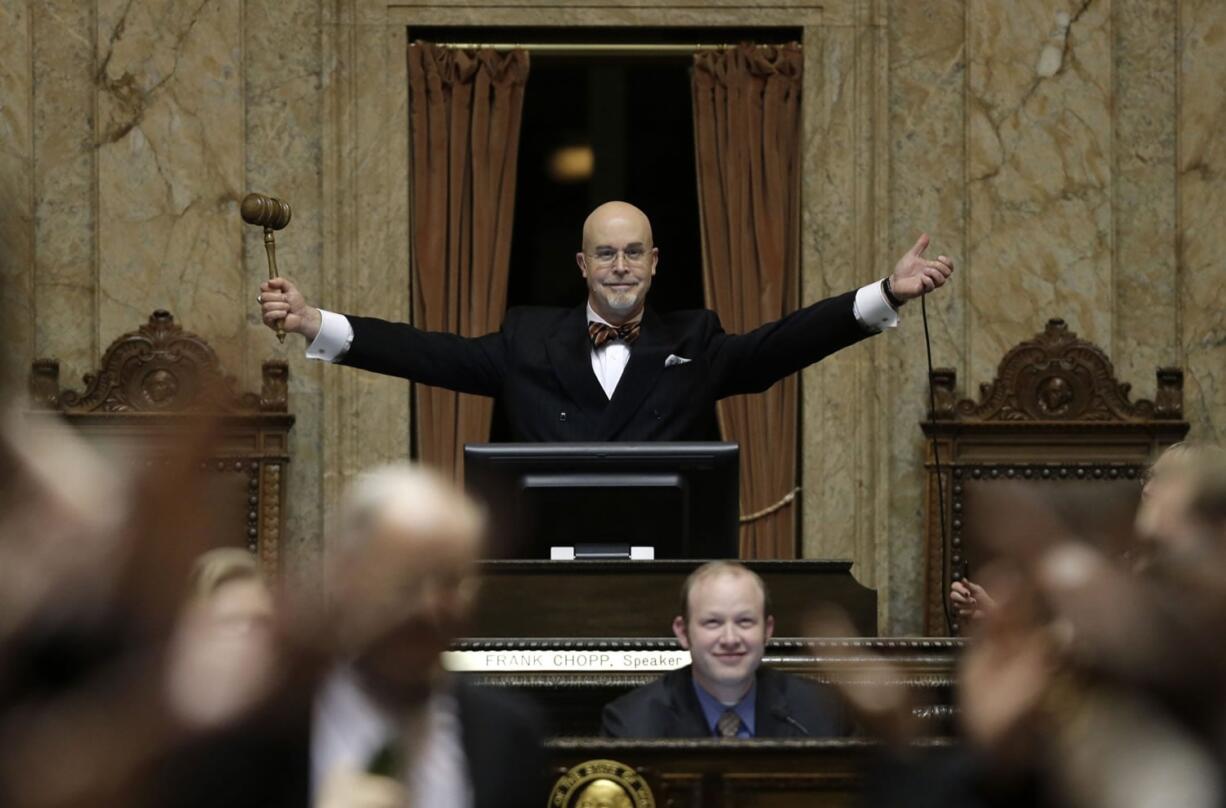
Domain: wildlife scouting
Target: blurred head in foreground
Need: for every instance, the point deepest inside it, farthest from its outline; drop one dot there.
(223, 656)
(402, 577)
(1208, 499)
(1166, 528)
(228, 584)
(1088, 684)
(1165, 518)
(1106, 682)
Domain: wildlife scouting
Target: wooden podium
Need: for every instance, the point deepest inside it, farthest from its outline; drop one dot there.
(574, 635)
(711, 773)
(529, 599)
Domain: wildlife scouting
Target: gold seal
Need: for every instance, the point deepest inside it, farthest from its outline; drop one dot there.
(601, 784)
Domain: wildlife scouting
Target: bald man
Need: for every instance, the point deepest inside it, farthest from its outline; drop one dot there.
(389, 725)
(612, 368)
(364, 714)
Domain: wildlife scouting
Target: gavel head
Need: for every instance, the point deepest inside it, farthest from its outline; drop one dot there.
(265, 211)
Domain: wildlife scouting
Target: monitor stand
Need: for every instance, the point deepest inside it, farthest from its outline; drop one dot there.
(602, 552)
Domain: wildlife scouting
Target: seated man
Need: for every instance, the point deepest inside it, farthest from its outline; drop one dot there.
(390, 726)
(724, 623)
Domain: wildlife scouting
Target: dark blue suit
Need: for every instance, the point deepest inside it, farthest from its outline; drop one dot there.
(786, 706)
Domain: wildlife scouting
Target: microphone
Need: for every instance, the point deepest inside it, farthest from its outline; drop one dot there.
(780, 714)
(271, 214)
(265, 211)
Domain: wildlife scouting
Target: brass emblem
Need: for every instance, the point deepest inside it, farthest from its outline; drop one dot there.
(601, 784)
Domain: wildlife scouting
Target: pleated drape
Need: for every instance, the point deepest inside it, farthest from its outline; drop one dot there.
(465, 109)
(747, 147)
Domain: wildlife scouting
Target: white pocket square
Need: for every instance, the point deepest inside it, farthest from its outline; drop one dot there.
(673, 359)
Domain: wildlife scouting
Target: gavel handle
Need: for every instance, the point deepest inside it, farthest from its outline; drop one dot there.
(270, 246)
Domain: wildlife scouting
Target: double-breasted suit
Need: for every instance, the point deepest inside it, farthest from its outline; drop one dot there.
(539, 365)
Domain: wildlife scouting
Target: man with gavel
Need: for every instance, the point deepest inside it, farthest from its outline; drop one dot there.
(611, 369)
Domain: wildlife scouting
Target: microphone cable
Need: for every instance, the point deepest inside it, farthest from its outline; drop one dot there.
(783, 715)
(936, 462)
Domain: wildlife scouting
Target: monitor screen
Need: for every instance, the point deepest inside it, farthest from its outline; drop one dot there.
(682, 499)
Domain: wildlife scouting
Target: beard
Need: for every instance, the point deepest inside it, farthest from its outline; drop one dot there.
(622, 302)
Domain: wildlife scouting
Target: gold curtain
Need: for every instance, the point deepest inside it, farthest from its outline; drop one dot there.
(747, 146)
(465, 109)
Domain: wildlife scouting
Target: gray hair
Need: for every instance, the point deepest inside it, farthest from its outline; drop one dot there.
(413, 497)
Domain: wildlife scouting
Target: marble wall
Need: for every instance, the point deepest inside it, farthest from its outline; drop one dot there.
(1065, 152)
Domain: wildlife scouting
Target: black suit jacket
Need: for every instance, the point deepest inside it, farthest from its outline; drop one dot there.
(265, 760)
(669, 708)
(502, 736)
(539, 365)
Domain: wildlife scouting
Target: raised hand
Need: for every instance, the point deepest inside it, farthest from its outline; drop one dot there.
(354, 789)
(915, 275)
(280, 300)
(970, 600)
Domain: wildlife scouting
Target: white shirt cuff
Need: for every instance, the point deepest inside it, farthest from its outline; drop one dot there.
(872, 310)
(334, 337)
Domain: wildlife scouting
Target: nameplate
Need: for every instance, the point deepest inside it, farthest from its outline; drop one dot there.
(564, 661)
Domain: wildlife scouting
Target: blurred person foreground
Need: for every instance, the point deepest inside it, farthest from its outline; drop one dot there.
(144, 663)
(141, 665)
(1091, 678)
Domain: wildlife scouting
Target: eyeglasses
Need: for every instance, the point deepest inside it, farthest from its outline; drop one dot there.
(606, 256)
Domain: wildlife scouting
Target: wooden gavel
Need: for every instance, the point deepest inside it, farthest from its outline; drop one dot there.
(271, 214)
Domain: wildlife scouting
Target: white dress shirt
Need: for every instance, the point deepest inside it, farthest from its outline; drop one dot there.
(870, 309)
(348, 729)
(609, 360)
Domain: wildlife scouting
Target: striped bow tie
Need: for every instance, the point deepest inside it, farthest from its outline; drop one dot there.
(600, 333)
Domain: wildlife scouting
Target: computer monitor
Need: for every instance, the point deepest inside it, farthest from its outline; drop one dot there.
(682, 499)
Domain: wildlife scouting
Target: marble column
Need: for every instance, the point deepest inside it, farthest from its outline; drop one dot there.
(283, 156)
(170, 141)
(17, 293)
(65, 230)
(1202, 198)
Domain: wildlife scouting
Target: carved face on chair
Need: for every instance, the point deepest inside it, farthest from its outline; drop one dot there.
(1055, 395)
(160, 387)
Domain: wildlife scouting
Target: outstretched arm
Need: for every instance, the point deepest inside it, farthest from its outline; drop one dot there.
(466, 365)
(752, 362)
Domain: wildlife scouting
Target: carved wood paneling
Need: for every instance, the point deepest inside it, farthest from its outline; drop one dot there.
(710, 772)
(923, 666)
(1054, 413)
(151, 379)
(1057, 377)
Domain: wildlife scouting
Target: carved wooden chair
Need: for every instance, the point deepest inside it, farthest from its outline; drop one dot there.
(148, 382)
(1055, 418)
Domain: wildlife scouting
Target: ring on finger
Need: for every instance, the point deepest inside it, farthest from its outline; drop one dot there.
(259, 299)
